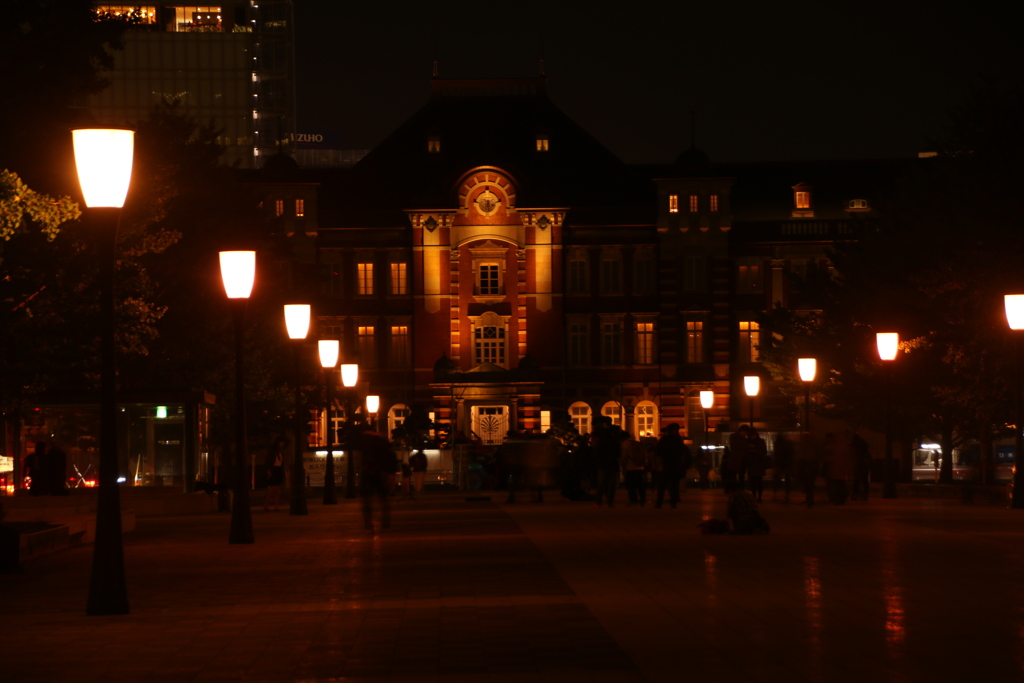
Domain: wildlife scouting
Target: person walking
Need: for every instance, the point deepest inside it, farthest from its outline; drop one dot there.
(418, 469)
(862, 467)
(379, 463)
(607, 444)
(275, 473)
(634, 460)
(735, 460)
(757, 463)
(675, 460)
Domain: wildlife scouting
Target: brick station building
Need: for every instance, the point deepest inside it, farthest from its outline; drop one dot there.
(495, 265)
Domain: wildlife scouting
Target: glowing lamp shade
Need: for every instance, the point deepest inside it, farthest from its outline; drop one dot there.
(808, 368)
(707, 399)
(1015, 311)
(238, 271)
(372, 404)
(296, 320)
(751, 385)
(888, 345)
(329, 349)
(103, 158)
(349, 374)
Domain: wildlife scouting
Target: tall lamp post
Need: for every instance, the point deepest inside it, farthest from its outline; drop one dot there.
(349, 377)
(1015, 319)
(238, 271)
(103, 159)
(707, 399)
(888, 346)
(372, 407)
(296, 319)
(329, 349)
(808, 368)
(752, 386)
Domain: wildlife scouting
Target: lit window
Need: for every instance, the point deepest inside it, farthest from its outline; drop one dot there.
(433, 144)
(490, 344)
(399, 281)
(673, 203)
(399, 346)
(750, 339)
(577, 277)
(578, 344)
(646, 415)
(542, 143)
(489, 283)
(367, 347)
(545, 421)
(279, 207)
(300, 207)
(365, 279)
(694, 205)
(135, 13)
(611, 343)
(397, 416)
(857, 205)
(611, 276)
(749, 279)
(579, 413)
(714, 203)
(644, 343)
(694, 341)
(613, 411)
(802, 199)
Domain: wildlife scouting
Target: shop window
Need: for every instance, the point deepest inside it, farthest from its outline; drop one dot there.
(644, 352)
(579, 413)
(749, 340)
(364, 275)
(646, 418)
(198, 19)
(399, 278)
(673, 203)
(145, 14)
(694, 341)
(400, 346)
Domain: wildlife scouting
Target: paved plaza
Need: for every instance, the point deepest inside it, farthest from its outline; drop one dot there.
(458, 590)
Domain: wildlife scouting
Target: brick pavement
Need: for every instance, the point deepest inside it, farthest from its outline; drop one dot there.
(457, 591)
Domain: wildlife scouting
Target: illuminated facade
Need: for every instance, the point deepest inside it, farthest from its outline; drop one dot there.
(230, 63)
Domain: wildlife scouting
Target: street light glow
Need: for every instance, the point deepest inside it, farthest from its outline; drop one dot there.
(238, 271)
(349, 374)
(329, 351)
(752, 385)
(707, 399)
(372, 404)
(1015, 311)
(888, 345)
(296, 320)
(103, 159)
(808, 368)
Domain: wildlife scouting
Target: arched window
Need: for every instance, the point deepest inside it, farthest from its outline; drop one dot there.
(579, 413)
(397, 416)
(613, 411)
(646, 419)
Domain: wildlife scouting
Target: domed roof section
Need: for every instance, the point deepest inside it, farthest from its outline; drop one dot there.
(280, 166)
(693, 162)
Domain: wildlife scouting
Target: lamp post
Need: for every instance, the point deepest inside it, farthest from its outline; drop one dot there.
(372, 407)
(329, 349)
(808, 368)
(296, 319)
(103, 159)
(752, 386)
(238, 271)
(349, 377)
(888, 346)
(1015, 319)
(707, 399)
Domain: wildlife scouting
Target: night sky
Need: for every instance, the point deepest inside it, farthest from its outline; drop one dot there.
(768, 81)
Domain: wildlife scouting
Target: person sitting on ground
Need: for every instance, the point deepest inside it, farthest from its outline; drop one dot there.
(744, 515)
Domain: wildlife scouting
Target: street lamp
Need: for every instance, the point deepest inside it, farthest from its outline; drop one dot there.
(1015, 319)
(808, 368)
(238, 271)
(296, 320)
(888, 346)
(349, 377)
(372, 406)
(329, 349)
(707, 399)
(752, 385)
(103, 160)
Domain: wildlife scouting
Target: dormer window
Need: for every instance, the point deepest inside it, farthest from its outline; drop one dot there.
(542, 143)
(279, 207)
(300, 208)
(694, 203)
(713, 201)
(673, 203)
(802, 200)
(434, 143)
(802, 207)
(857, 205)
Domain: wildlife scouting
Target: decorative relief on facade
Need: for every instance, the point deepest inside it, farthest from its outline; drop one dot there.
(487, 193)
(487, 202)
(521, 254)
(454, 255)
(430, 224)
